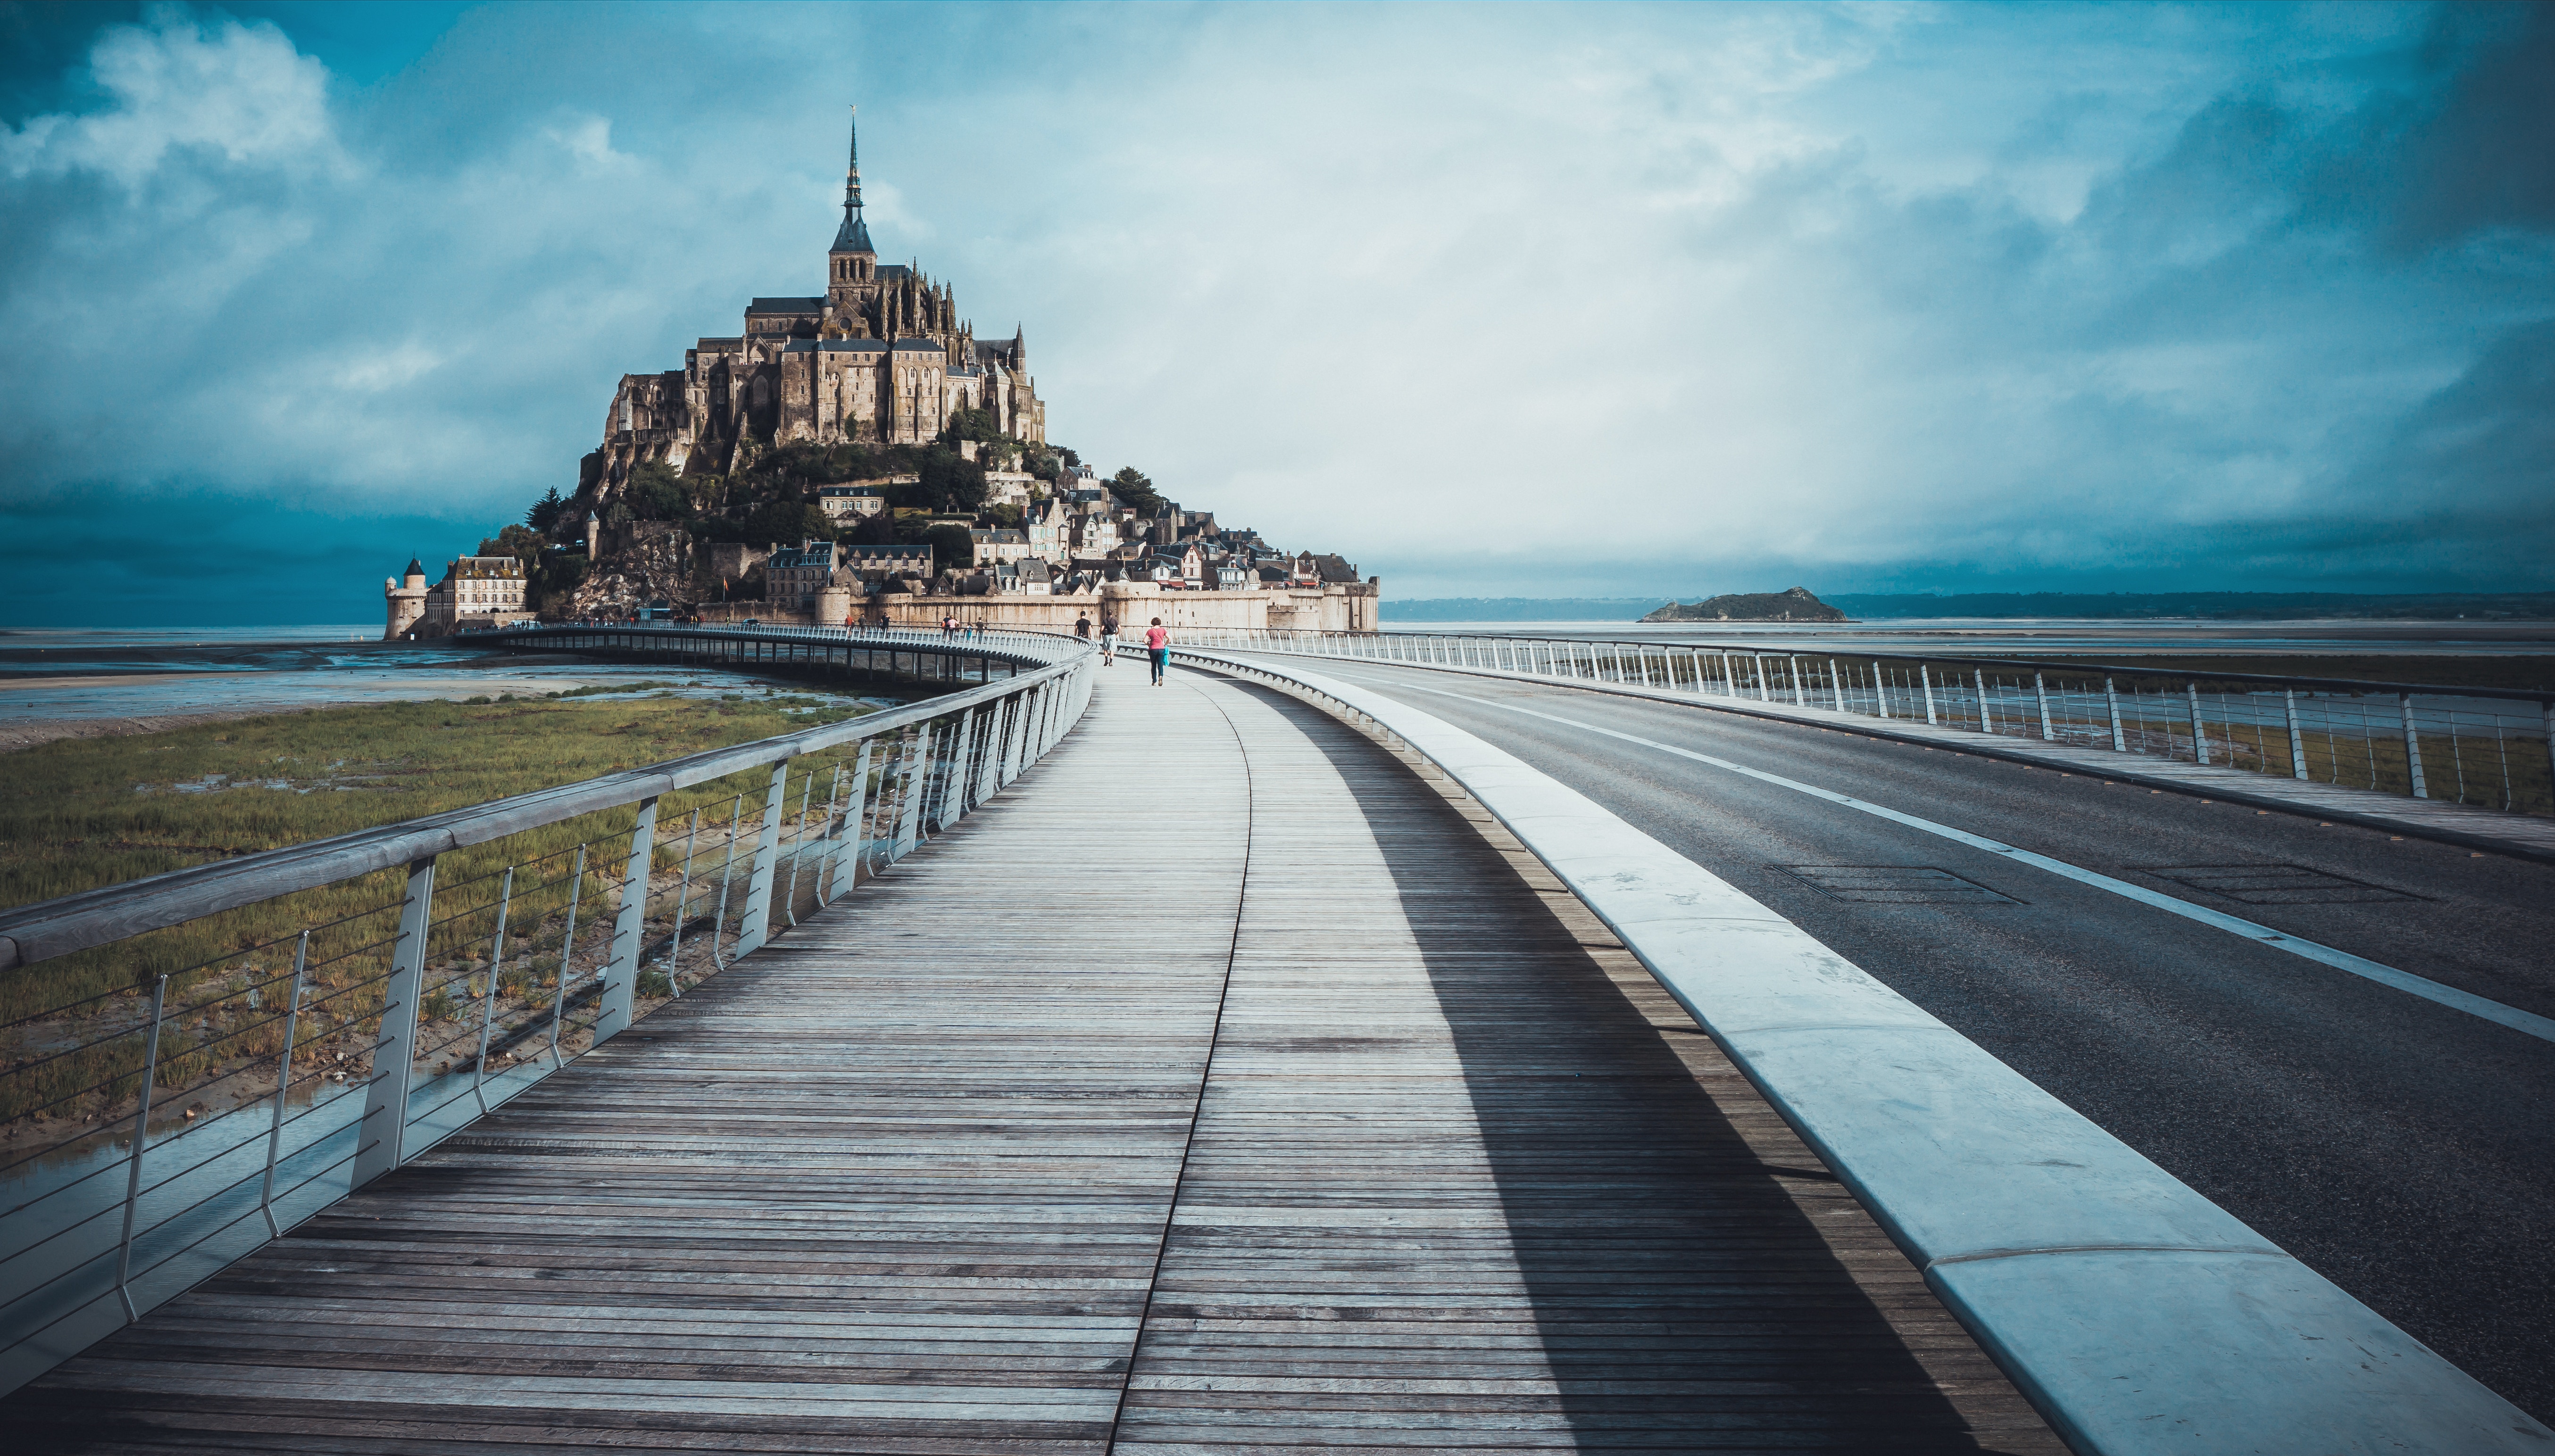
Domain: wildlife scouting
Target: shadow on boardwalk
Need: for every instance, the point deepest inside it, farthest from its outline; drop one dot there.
(1697, 1278)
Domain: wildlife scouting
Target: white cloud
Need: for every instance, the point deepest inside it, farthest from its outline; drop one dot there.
(239, 90)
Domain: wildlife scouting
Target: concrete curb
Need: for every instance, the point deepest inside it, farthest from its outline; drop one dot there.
(2135, 1314)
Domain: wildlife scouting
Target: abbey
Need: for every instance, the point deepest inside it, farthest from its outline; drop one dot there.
(882, 355)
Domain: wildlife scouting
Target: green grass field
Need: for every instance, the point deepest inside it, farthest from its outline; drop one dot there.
(79, 814)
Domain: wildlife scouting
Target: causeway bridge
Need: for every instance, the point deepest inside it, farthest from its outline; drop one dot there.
(1356, 1043)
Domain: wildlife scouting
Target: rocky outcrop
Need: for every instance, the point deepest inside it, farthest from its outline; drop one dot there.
(1796, 605)
(647, 562)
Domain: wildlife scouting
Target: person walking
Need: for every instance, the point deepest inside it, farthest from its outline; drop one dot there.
(1082, 627)
(1108, 640)
(1158, 642)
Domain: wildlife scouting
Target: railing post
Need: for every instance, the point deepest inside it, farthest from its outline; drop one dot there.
(1987, 722)
(1880, 689)
(754, 926)
(141, 1136)
(682, 906)
(1926, 679)
(2412, 745)
(798, 849)
(385, 1121)
(2111, 699)
(567, 952)
(629, 927)
(952, 802)
(989, 757)
(2297, 738)
(1836, 687)
(2040, 690)
(842, 873)
(727, 879)
(488, 1002)
(1016, 736)
(284, 1080)
(2199, 730)
(909, 810)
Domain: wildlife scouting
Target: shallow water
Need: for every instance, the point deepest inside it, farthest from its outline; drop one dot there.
(50, 675)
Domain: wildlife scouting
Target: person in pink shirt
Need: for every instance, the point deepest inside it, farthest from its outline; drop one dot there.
(1158, 646)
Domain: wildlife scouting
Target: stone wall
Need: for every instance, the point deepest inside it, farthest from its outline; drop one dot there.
(1347, 608)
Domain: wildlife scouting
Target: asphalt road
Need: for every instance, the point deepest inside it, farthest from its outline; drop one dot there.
(2402, 1149)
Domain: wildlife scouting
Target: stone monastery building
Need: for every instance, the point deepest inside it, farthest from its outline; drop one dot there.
(881, 355)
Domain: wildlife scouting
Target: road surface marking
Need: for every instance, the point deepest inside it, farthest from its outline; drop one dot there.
(2528, 1023)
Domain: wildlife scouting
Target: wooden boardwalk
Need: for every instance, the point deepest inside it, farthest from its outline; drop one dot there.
(1215, 1089)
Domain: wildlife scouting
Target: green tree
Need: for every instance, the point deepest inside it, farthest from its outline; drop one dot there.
(877, 530)
(950, 483)
(1006, 517)
(953, 548)
(655, 493)
(787, 523)
(975, 425)
(1130, 485)
(524, 545)
(546, 510)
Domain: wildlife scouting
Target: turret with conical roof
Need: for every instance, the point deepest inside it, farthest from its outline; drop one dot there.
(405, 598)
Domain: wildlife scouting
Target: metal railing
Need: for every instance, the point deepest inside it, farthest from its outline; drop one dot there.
(2494, 748)
(951, 656)
(202, 1060)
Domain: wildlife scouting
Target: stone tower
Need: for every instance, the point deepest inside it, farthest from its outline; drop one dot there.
(852, 265)
(405, 600)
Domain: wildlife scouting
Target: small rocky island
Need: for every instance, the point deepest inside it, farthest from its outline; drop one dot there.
(1796, 605)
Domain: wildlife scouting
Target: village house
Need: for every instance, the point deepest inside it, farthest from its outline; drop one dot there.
(1008, 487)
(1094, 536)
(854, 502)
(477, 593)
(999, 546)
(794, 575)
(1049, 525)
(887, 560)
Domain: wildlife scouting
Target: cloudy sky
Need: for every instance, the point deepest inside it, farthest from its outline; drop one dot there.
(1507, 300)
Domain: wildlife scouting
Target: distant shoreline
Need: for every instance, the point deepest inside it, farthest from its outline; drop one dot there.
(2215, 606)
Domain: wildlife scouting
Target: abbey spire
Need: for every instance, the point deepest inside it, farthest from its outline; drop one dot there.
(854, 235)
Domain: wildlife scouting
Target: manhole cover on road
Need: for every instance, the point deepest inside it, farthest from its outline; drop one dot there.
(1894, 884)
(2275, 884)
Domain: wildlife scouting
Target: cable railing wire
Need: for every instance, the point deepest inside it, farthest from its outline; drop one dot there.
(2484, 747)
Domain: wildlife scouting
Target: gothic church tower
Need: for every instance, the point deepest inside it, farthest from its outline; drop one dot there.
(852, 275)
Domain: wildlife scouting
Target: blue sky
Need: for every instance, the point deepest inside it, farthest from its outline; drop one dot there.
(1495, 300)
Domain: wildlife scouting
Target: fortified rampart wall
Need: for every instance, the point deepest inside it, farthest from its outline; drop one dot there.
(1342, 608)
